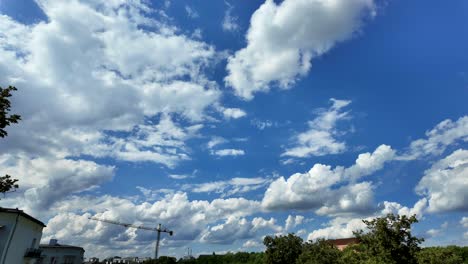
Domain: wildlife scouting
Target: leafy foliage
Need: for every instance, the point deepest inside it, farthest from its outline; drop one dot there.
(7, 183)
(319, 252)
(389, 240)
(282, 249)
(6, 119)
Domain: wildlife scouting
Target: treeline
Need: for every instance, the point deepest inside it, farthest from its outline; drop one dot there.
(388, 241)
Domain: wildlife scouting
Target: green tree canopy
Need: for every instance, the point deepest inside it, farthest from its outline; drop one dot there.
(319, 252)
(282, 249)
(389, 240)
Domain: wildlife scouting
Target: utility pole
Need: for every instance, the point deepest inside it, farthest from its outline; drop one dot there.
(159, 229)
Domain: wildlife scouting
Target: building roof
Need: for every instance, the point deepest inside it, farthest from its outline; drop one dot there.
(60, 246)
(22, 213)
(344, 241)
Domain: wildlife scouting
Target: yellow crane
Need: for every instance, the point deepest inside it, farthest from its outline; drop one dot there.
(158, 229)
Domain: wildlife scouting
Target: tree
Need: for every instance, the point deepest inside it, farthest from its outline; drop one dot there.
(6, 119)
(319, 252)
(439, 255)
(389, 240)
(282, 249)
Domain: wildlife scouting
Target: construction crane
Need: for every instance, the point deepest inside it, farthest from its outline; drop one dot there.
(158, 229)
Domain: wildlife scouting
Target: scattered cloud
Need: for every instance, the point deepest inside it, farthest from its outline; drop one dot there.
(215, 141)
(191, 12)
(329, 190)
(438, 139)
(284, 37)
(228, 187)
(45, 181)
(187, 218)
(262, 124)
(320, 139)
(293, 221)
(228, 152)
(230, 22)
(238, 228)
(233, 113)
(445, 183)
(90, 91)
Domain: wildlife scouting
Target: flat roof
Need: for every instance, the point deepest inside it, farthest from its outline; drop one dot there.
(60, 246)
(22, 213)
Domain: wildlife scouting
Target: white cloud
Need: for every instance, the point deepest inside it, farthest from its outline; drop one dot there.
(438, 139)
(445, 184)
(343, 227)
(320, 139)
(229, 187)
(45, 181)
(179, 176)
(283, 38)
(464, 222)
(418, 209)
(262, 124)
(187, 218)
(230, 22)
(90, 90)
(249, 244)
(327, 190)
(228, 152)
(192, 13)
(293, 221)
(234, 113)
(215, 141)
(238, 228)
(339, 227)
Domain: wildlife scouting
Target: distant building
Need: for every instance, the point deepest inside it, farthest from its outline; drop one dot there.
(92, 261)
(342, 243)
(55, 253)
(20, 234)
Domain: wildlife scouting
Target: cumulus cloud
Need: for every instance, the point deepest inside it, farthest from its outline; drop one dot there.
(438, 139)
(187, 218)
(293, 221)
(320, 139)
(343, 227)
(340, 227)
(90, 91)
(238, 228)
(464, 222)
(329, 190)
(234, 113)
(283, 38)
(44, 181)
(445, 183)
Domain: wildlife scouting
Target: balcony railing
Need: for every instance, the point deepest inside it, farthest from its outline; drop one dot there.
(33, 253)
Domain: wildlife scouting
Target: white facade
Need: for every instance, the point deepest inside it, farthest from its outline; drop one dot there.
(19, 237)
(55, 253)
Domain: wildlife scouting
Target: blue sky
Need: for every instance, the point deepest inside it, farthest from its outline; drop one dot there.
(228, 121)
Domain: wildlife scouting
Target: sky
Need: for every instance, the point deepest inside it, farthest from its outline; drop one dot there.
(227, 121)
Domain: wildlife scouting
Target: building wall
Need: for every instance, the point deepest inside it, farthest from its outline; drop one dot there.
(26, 235)
(59, 255)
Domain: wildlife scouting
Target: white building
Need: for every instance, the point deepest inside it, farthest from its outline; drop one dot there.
(55, 253)
(20, 234)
